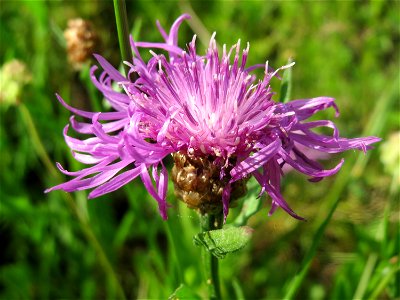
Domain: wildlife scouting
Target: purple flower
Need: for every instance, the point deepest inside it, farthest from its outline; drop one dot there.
(209, 106)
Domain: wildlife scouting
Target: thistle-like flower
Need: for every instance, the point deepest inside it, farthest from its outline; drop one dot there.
(212, 114)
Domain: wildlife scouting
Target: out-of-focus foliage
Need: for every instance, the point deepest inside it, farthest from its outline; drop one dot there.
(57, 246)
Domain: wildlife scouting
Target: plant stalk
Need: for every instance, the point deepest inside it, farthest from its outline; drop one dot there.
(121, 20)
(83, 222)
(211, 222)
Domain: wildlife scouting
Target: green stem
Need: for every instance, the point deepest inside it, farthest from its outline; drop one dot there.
(83, 222)
(173, 243)
(211, 222)
(384, 282)
(366, 276)
(121, 20)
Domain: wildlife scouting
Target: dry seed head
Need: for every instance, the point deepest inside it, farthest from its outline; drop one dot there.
(82, 41)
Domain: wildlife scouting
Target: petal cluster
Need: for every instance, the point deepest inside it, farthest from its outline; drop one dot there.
(208, 105)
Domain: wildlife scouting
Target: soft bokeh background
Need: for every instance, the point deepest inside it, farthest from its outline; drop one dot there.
(63, 246)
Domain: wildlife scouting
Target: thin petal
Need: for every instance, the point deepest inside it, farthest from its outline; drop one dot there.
(114, 74)
(144, 175)
(115, 183)
(173, 34)
(305, 108)
(226, 196)
(307, 169)
(79, 183)
(104, 116)
(252, 163)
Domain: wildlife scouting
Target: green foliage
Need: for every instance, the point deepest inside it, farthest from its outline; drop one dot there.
(221, 242)
(60, 246)
(251, 204)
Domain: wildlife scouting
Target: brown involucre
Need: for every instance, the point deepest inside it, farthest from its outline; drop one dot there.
(197, 183)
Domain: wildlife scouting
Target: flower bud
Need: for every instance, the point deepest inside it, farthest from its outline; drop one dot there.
(390, 157)
(14, 75)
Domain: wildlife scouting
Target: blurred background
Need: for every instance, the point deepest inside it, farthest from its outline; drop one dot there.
(59, 245)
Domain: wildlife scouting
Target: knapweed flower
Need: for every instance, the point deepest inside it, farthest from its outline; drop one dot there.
(211, 113)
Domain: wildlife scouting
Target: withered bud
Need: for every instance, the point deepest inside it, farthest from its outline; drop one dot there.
(82, 41)
(197, 183)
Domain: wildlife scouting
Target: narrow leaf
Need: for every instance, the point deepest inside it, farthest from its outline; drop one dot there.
(183, 292)
(286, 84)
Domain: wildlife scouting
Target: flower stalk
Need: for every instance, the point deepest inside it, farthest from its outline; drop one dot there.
(211, 222)
(123, 31)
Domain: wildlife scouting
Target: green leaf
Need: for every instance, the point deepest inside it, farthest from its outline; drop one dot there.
(286, 84)
(251, 204)
(183, 292)
(239, 294)
(223, 241)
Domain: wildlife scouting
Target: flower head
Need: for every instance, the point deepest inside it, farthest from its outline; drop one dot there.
(209, 111)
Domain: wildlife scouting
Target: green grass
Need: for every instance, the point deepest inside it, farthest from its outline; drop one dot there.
(62, 246)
